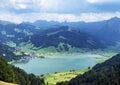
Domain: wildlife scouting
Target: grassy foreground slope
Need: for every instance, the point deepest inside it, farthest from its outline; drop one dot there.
(106, 73)
(52, 79)
(5, 83)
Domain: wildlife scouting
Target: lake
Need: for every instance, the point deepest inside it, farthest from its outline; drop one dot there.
(63, 62)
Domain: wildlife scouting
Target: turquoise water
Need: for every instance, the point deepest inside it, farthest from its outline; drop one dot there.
(58, 63)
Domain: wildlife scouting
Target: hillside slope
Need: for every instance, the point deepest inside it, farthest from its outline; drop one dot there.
(107, 73)
(63, 38)
(5, 83)
(13, 74)
(7, 53)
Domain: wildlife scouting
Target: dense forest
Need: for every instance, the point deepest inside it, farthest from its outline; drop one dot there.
(107, 73)
(13, 74)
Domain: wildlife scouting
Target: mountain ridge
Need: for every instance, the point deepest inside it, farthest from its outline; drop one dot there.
(78, 35)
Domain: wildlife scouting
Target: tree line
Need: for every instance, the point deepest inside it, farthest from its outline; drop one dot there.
(107, 73)
(9, 73)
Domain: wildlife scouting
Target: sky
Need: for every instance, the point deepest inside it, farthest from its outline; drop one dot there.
(58, 10)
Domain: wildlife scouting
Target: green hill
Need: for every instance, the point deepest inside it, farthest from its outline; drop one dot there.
(106, 73)
(6, 71)
(13, 74)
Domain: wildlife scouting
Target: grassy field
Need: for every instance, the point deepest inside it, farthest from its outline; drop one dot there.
(52, 79)
(28, 48)
(4, 83)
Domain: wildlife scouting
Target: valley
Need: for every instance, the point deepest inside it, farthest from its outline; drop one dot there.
(52, 79)
(59, 48)
(59, 42)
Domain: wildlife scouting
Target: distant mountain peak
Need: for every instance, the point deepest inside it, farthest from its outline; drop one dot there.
(115, 19)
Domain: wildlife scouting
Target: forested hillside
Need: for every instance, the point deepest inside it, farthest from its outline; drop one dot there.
(8, 53)
(13, 74)
(107, 73)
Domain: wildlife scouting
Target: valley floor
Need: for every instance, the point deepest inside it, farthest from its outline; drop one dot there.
(52, 79)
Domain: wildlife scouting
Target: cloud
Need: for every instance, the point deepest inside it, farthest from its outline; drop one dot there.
(10, 17)
(15, 4)
(93, 17)
(25, 6)
(93, 1)
(58, 6)
(86, 17)
(22, 6)
(49, 4)
(58, 10)
(102, 1)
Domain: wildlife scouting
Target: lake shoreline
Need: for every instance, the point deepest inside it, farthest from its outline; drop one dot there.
(58, 63)
(27, 58)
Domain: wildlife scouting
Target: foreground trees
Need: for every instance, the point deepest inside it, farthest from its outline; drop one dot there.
(107, 73)
(6, 71)
(13, 74)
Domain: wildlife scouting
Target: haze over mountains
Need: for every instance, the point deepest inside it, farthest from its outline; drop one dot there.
(62, 36)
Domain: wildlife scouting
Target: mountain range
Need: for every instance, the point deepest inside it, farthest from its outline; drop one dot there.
(62, 36)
